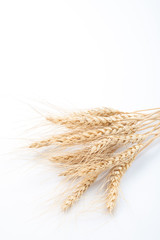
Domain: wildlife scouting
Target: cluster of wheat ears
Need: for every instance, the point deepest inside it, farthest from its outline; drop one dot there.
(101, 140)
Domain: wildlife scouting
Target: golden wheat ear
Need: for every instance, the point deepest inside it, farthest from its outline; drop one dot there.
(108, 141)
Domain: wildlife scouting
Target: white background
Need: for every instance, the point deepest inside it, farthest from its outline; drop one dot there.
(76, 54)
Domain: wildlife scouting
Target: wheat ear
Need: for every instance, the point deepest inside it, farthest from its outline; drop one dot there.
(108, 141)
(78, 192)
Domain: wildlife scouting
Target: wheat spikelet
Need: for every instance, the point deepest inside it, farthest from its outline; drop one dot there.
(100, 163)
(114, 177)
(88, 121)
(79, 190)
(96, 151)
(85, 136)
(98, 148)
(103, 112)
(101, 145)
(105, 164)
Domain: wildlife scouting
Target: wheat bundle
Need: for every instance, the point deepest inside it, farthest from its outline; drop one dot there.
(108, 141)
